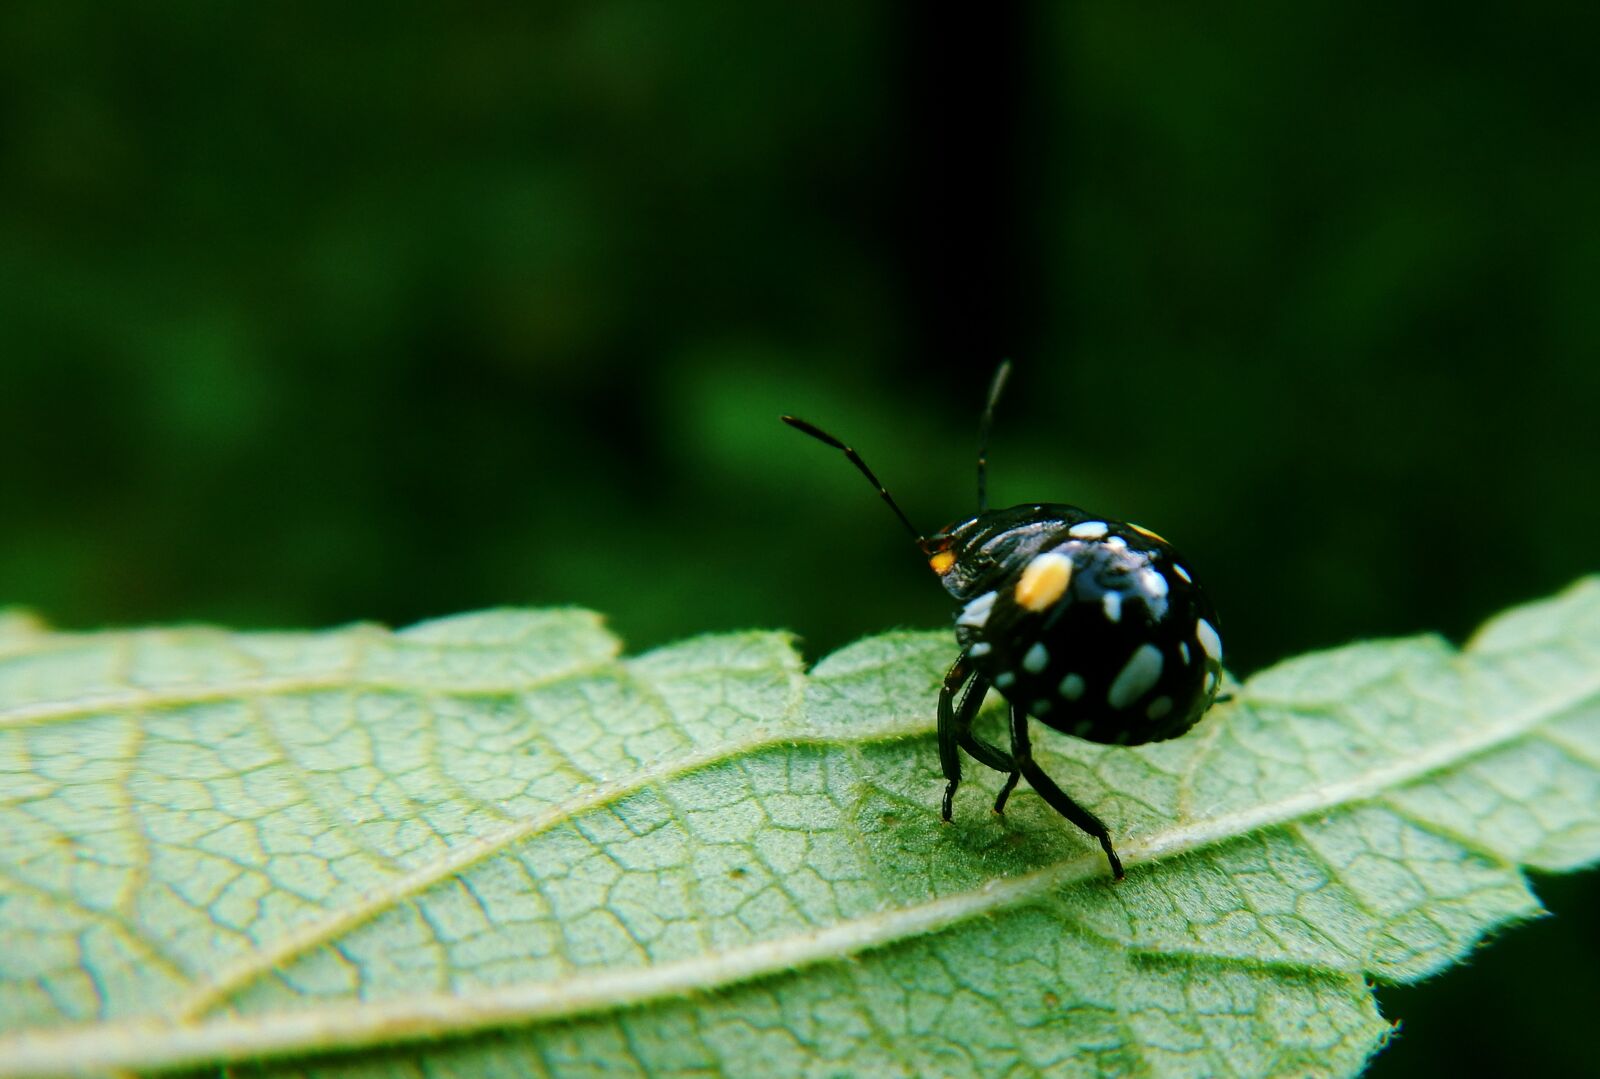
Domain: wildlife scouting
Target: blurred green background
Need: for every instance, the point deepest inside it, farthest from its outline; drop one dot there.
(313, 315)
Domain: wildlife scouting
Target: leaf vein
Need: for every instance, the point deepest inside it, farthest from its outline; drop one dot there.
(132, 700)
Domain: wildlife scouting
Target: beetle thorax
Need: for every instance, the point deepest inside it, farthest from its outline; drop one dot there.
(987, 546)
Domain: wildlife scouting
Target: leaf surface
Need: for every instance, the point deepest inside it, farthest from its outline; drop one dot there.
(302, 853)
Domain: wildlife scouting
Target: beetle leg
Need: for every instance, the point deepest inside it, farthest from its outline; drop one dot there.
(1005, 791)
(985, 753)
(1022, 750)
(955, 729)
(949, 731)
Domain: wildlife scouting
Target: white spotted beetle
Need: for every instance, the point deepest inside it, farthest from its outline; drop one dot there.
(1094, 627)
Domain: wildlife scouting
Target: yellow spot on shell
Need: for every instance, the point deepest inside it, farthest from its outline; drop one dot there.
(942, 562)
(1043, 581)
(1146, 532)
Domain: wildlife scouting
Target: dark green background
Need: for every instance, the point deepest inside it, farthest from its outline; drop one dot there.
(309, 316)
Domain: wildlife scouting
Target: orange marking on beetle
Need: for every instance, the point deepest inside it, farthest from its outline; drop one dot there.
(1043, 581)
(1146, 532)
(941, 562)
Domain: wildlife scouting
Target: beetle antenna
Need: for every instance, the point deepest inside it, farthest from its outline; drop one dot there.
(984, 426)
(855, 458)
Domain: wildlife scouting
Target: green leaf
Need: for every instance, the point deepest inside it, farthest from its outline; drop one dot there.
(305, 853)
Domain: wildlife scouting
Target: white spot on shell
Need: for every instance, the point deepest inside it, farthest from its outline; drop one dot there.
(1153, 583)
(1117, 543)
(1141, 672)
(1111, 602)
(1072, 687)
(982, 648)
(1207, 636)
(1183, 652)
(1181, 572)
(976, 613)
(1088, 529)
(1036, 660)
(1004, 680)
(1159, 708)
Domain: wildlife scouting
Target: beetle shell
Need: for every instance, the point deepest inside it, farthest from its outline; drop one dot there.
(1093, 626)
